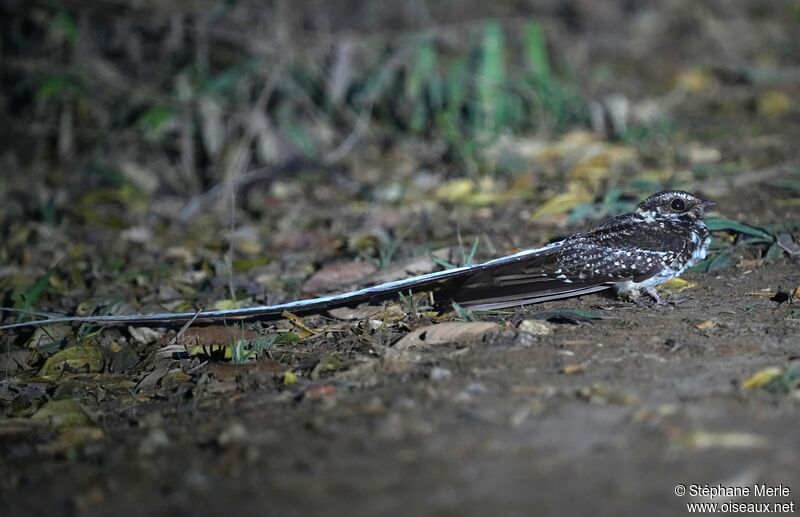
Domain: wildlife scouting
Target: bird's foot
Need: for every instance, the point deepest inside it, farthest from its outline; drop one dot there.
(652, 297)
(672, 300)
(653, 294)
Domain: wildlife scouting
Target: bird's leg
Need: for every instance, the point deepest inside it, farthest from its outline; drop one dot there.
(631, 295)
(652, 293)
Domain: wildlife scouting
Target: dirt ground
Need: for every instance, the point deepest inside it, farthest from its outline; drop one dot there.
(603, 416)
(580, 406)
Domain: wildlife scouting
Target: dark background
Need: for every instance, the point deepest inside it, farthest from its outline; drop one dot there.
(177, 156)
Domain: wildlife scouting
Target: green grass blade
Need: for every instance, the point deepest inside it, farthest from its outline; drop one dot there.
(491, 77)
(717, 224)
(537, 53)
(25, 300)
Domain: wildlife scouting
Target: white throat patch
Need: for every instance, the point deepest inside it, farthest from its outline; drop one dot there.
(648, 215)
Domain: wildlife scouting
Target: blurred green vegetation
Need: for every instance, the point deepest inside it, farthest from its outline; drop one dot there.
(193, 95)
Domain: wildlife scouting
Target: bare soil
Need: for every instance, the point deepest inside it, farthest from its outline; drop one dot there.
(602, 415)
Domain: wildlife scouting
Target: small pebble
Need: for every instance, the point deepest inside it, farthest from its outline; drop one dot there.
(235, 433)
(155, 441)
(476, 388)
(440, 374)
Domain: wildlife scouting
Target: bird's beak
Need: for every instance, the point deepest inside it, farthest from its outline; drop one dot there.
(707, 205)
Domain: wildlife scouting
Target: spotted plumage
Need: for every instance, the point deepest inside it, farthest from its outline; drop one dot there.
(630, 253)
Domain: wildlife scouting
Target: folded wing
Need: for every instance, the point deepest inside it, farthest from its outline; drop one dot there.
(573, 268)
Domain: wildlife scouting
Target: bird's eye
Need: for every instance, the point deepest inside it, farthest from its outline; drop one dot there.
(677, 204)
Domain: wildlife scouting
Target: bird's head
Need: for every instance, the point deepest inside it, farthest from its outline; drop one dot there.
(672, 204)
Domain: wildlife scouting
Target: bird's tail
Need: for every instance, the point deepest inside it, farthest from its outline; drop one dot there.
(430, 281)
(450, 282)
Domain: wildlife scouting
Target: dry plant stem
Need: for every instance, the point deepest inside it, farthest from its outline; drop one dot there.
(362, 122)
(183, 329)
(238, 162)
(349, 143)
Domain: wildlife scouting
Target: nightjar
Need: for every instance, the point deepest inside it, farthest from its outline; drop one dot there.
(630, 253)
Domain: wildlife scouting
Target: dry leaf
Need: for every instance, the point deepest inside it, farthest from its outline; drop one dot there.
(247, 240)
(362, 312)
(562, 203)
(104, 381)
(338, 275)
(456, 190)
(699, 154)
(574, 368)
(774, 104)
(571, 143)
(676, 285)
(228, 304)
(442, 333)
(599, 394)
(174, 378)
(63, 413)
(536, 327)
(215, 336)
(145, 335)
(230, 372)
(598, 165)
(762, 294)
(525, 147)
(75, 357)
(328, 363)
(304, 330)
(762, 377)
(320, 392)
(72, 437)
(695, 80)
(289, 378)
(415, 266)
(50, 336)
(148, 384)
(708, 324)
(701, 440)
(484, 192)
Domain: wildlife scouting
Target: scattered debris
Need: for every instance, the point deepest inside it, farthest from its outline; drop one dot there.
(762, 377)
(338, 275)
(84, 357)
(706, 325)
(572, 369)
(448, 332)
(703, 440)
(536, 327)
(233, 434)
(440, 374)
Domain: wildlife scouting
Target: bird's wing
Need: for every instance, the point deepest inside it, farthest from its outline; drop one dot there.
(574, 268)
